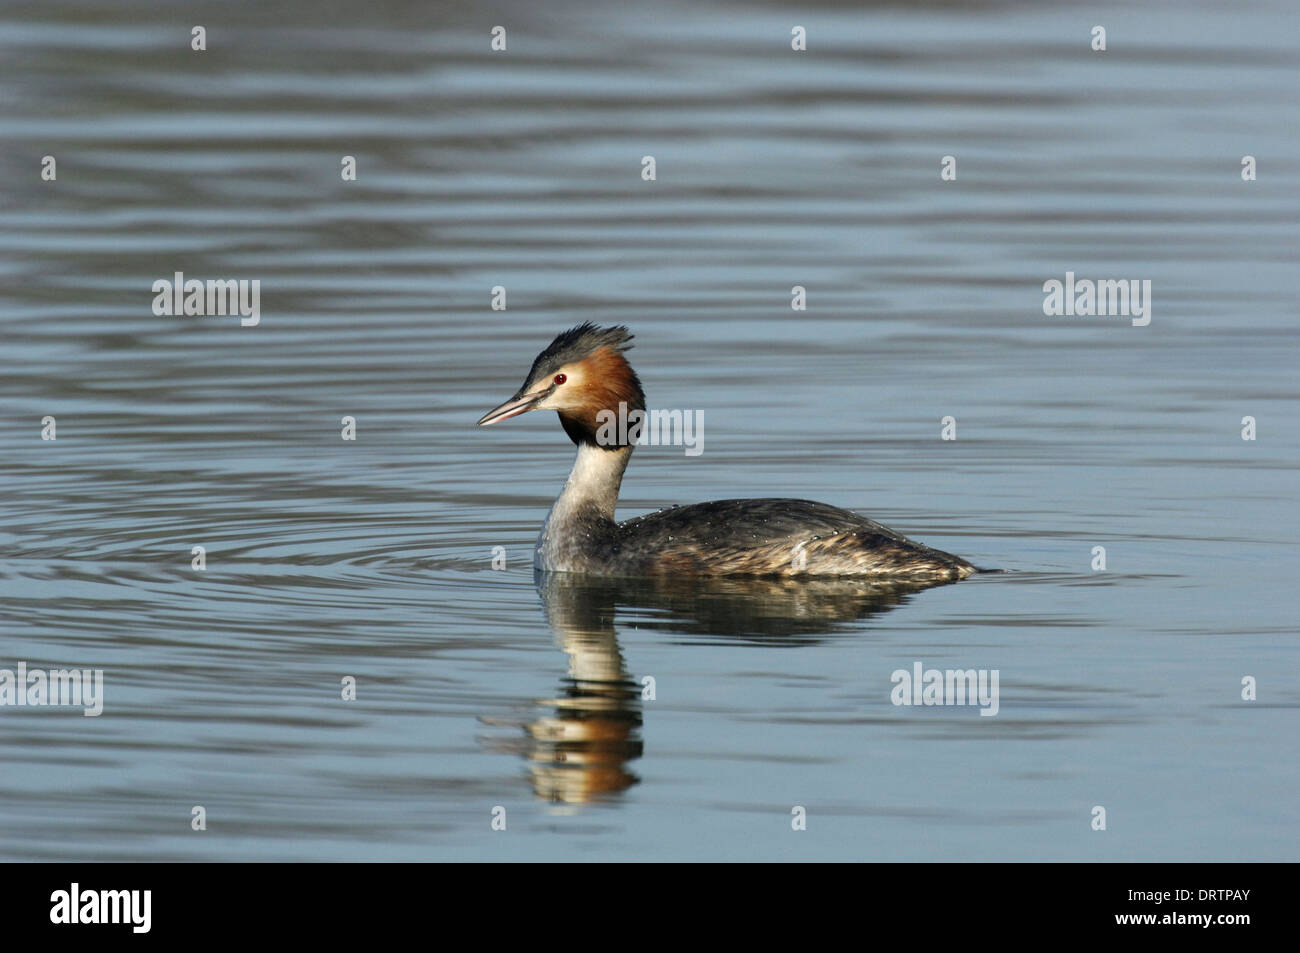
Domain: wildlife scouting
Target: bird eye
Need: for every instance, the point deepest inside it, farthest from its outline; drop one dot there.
(560, 378)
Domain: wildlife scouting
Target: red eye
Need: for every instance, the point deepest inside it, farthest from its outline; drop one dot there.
(560, 378)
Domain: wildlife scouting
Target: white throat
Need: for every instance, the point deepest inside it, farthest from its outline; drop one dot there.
(594, 480)
(587, 501)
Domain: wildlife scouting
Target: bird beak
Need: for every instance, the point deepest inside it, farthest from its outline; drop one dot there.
(512, 408)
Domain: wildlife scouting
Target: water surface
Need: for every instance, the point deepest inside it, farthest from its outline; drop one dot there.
(480, 688)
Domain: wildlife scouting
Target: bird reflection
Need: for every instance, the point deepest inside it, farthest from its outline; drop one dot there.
(580, 747)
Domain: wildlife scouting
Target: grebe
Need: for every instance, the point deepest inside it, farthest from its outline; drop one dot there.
(582, 373)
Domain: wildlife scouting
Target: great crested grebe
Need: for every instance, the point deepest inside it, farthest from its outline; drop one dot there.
(582, 373)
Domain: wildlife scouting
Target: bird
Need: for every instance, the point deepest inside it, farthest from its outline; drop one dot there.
(584, 376)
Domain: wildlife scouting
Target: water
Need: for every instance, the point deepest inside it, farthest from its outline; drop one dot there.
(371, 558)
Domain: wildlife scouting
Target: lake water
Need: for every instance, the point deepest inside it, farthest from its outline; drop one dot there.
(478, 688)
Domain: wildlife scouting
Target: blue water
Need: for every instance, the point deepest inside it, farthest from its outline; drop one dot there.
(478, 688)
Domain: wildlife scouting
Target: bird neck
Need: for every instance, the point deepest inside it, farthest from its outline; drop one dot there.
(593, 484)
